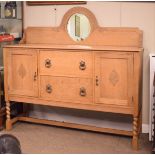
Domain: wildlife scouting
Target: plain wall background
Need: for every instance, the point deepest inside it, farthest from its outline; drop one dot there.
(108, 14)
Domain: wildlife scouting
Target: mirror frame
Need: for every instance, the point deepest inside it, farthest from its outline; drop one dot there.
(80, 10)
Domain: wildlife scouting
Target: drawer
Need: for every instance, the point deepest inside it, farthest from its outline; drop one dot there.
(65, 89)
(60, 63)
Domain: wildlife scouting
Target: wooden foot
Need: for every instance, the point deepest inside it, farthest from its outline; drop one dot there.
(8, 125)
(8, 119)
(135, 143)
(135, 133)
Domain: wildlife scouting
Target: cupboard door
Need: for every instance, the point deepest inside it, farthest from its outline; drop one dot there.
(22, 72)
(114, 75)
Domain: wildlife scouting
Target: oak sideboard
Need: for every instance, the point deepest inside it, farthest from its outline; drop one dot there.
(101, 73)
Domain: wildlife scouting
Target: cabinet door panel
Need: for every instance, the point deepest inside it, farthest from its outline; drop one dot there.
(114, 72)
(65, 89)
(23, 72)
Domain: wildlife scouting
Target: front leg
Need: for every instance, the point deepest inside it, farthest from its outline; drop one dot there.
(8, 118)
(135, 133)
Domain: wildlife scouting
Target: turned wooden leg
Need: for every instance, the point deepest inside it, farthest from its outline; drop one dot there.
(135, 133)
(8, 118)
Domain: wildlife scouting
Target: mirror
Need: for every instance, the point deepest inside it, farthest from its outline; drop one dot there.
(78, 27)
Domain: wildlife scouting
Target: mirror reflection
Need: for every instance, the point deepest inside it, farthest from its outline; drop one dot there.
(78, 27)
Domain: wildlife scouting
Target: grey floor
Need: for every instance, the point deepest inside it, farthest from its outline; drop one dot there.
(36, 139)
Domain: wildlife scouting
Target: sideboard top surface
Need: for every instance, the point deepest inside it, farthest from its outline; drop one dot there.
(76, 47)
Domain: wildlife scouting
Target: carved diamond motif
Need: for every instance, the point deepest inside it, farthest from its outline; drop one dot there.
(114, 78)
(22, 71)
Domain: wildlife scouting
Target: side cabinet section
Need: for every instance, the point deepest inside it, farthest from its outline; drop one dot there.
(22, 72)
(114, 79)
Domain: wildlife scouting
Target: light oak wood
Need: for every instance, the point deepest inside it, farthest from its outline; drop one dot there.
(113, 75)
(73, 125)
(22, 72)
(131, 37)
(69, 66)
(137, 83)
(5, 61)
(101, 73)
(82, 106)
(8, 118)
(78, 47)
(135, 133)
(99, 37)
(64, 89)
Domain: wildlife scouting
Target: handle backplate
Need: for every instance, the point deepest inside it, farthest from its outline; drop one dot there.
(83, 91)
(82, 65)
(35, 76)
(48, 88)
(97, 81)
(48, 63)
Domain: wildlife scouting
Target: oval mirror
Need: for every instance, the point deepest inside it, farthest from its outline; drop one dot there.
(78, 27)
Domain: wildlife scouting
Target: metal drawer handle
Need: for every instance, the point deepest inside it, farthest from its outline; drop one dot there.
(35, 76)
(49, 88)
(82, 91)
(97, 81)
(48, 63)
(82, 65)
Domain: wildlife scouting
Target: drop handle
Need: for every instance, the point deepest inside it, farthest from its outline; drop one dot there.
(97, 81)
(83, 91)
(82, 65)
(35, 76)
(48, 63)
(48, 88)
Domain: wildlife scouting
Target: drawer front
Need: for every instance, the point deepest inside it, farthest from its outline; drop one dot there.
(75, 90)
(72, 64)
